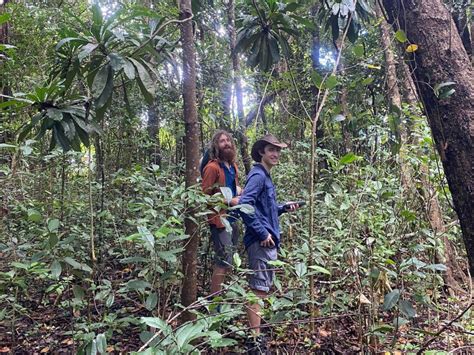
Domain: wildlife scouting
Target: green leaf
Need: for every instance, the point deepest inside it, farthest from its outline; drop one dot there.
(407, 308)
(56, 269)
(320, 269)
(401, 36)
(4, 18)
(301, 269)
(446, 92)
(34, 215)
(117, 62)
(331, 82)
(147, 237)
(157, 323)
(349, 158)
(436, 267)
(237, 260)
(368, 80)
(399, 321)
(110, 300)
(185, 334)
(7, 146)
(53, 225)
(169, 255)
(358, 50)
(101, 342)
(391, 299)
(137, 285)
(316, 79)
(227, 193)
(103, 85)
(76, 265)
(146, 83)
(86, 50)
(292, 6)
(221, 342)
(73, 40)
(78, 292)
(151, 301)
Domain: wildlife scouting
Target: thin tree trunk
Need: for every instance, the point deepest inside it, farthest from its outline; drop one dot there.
(395, 100)
(153, 127)
(189, 259)
(343, 100)
(5, 90)
(442, 58)
(460, 19)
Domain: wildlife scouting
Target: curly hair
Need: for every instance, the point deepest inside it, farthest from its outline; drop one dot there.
(214, 144)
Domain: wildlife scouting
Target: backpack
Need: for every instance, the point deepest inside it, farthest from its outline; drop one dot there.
(204, 160)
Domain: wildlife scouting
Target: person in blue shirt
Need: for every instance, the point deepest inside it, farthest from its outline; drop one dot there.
(262, 234)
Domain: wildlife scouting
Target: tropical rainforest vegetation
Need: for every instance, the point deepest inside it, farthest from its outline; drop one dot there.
(106, 108)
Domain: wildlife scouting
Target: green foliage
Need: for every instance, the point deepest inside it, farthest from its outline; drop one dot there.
(264, 33)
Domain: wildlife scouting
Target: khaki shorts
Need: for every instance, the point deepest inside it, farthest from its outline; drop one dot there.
(262, 277)
(225, 245)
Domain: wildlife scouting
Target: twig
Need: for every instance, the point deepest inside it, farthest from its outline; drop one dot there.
(427, 343)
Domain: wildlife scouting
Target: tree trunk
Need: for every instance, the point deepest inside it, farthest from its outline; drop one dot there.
(192, 144)
(441, 58)
(395, 102)
(153, 127)
(460, 19)
(343, 100)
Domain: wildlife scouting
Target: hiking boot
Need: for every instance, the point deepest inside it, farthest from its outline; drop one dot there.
(257, 346)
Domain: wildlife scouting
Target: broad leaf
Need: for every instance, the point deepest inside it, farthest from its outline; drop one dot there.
(391, 299)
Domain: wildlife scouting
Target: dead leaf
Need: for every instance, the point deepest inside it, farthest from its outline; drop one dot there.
(324, 333)
(68, 341)
(5, 349)
(45, 350)
(110, 349)
(363, 299)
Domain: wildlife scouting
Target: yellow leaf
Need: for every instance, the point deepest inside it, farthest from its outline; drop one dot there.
(412, 48)
(371, 66)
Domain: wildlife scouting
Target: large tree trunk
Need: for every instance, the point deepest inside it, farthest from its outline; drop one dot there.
(192, 144)
(241, 134)
(440, 58)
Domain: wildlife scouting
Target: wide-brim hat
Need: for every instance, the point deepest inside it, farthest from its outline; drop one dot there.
(262, 142)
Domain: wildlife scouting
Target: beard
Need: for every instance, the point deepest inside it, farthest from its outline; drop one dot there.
(227, 154)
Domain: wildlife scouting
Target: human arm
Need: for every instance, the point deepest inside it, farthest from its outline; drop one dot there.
(253, 188)
(210, 177)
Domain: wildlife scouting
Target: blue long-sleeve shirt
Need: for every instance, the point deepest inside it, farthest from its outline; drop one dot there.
(259, 192)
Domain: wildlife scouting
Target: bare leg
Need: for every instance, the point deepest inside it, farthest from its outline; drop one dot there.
(253, 312)
(217, 278)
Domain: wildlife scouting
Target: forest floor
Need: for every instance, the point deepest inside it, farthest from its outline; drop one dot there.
(45, 330)
(46, 323)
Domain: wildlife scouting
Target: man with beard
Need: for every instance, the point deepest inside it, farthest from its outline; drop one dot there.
(220, 171)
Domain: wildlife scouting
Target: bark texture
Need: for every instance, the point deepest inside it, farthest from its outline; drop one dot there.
(440, 58)
(395, 100)
(192, 144)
